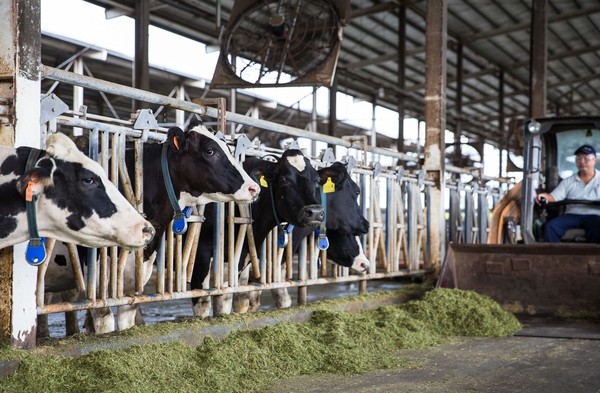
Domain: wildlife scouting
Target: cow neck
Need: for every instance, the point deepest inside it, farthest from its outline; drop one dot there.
(36, 248)
(179, 219)
(283, 231)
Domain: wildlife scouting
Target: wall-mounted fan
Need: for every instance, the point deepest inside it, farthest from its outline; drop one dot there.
(281, 43)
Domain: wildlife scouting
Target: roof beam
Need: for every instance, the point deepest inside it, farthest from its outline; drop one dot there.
(375, 9)
(526, 24)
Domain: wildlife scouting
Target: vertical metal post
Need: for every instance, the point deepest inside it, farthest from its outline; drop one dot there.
(20, 54)
(302, 255)
(232, 108)
(363, 205)
(468, 220)
(373, 125)
(313, 122)
(180, 114)
(482, 217)
(502, 124)
(435, 118)
(453, 214)
(77, 93)
(218, 257)
(390, 219)
(139, 199)
(332, 110)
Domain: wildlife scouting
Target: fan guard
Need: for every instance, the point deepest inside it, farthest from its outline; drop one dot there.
(281, 43)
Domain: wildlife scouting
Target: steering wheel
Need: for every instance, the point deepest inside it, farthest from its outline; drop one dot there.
(565, 202)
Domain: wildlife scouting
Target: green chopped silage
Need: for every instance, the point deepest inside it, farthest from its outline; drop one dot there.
(455, 312)
(331, 342)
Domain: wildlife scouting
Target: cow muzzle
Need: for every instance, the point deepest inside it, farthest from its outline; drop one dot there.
(311, 215)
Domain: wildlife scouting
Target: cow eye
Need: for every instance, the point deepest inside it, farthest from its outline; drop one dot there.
(88, 181)
(210, 152)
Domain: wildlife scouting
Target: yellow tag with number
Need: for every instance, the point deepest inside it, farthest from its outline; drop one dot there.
(263, 182)
(329, 186)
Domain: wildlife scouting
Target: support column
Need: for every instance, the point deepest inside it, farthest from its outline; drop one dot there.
(435, 119)
(20, 56)
(538, 59)
(141, 74)
(457, 158)
(401, 60)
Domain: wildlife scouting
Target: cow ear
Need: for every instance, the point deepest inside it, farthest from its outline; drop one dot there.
(33, 182)
(336, 173)
(194, 123)
(176, 138)
(262, 175)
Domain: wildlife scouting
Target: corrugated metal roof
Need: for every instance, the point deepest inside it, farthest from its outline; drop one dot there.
(494, 36)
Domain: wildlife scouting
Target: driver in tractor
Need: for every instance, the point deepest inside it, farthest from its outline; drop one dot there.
(583, 185)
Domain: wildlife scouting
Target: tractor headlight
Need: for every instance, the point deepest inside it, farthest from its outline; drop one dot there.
(534, 127)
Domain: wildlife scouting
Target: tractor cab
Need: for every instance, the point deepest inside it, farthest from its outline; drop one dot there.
(524, 274)
(549, 157)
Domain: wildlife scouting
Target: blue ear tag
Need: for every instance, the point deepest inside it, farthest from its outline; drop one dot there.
(36, 251)
(179, 226)
(323, 243)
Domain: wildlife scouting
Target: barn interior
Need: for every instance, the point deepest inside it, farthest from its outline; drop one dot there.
(379, 48)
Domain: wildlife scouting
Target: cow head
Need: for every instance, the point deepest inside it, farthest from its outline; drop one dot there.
(346, 250)
(343, 212)
(292, 186)
(77, 203)
(205, 170)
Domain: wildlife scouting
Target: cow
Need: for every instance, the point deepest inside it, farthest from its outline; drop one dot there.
(74, 201)
(345, 249)
(343, 219)
(289, 193)
(201, 168)
(344, 223)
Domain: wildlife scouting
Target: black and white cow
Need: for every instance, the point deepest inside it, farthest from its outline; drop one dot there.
(345, 249)
(344, 223)
(289, 193)
(201, 167)
(344, 219)
(75, 200)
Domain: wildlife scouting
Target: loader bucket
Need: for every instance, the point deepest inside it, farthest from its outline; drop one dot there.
(534, 279)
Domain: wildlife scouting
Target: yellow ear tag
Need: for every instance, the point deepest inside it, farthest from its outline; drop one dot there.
(329, 186)
(263, 182)
(29, 191)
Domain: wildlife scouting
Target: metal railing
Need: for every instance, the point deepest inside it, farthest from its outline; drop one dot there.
(395, 201)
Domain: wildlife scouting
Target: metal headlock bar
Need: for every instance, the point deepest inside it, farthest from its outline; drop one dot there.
(397, 244)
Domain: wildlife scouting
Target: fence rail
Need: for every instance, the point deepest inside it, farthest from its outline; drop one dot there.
(394, 200)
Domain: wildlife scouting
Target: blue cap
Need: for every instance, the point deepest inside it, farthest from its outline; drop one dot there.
(585, 149)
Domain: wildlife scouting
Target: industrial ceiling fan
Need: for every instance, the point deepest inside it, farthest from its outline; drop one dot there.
(281, 43)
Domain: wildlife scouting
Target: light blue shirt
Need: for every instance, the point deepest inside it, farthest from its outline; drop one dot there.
(573, 188)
